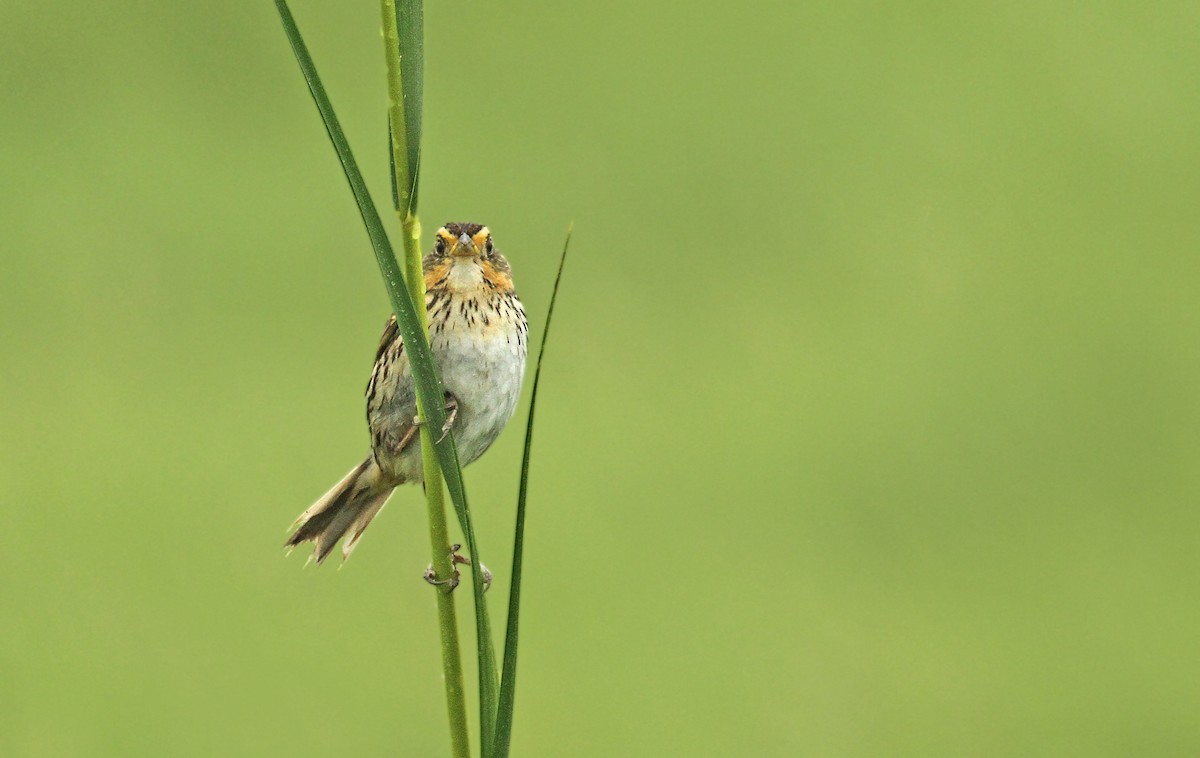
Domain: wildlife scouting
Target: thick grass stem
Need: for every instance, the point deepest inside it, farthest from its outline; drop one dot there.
(404, 182)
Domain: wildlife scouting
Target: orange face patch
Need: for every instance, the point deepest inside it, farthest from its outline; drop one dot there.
(436, 274)
(499, 279)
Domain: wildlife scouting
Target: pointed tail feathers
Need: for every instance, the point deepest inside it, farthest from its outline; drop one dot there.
(347, 509)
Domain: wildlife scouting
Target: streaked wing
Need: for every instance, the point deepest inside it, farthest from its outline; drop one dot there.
(391, 400)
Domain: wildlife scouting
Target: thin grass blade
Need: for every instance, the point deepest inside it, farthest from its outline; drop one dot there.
(508, 681)
(415, 342)
(410, 26)
(404, 45)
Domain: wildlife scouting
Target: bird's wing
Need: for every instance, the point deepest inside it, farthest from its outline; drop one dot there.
(391, 399)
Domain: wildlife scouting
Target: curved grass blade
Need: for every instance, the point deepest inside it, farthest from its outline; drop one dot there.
(415, 342)
(508, 682)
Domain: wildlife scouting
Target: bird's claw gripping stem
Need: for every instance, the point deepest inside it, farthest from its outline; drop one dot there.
(452, 581)
(451, 415)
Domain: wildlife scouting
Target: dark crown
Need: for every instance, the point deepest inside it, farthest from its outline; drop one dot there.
(458, 229)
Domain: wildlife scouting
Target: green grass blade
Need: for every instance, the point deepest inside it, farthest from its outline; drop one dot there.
(392, 166)
(404, 45)
(415, 342)
(508, 682)
(410, 25)
(489, 676)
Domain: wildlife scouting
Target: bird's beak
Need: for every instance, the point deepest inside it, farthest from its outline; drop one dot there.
(464, 247)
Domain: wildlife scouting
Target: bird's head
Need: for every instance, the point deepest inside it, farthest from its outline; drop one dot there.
(473, 241)
(464, 257)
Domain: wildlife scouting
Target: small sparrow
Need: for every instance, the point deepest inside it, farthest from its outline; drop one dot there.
(478, 333)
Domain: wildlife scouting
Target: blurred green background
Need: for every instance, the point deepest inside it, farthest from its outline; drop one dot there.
(870, 426)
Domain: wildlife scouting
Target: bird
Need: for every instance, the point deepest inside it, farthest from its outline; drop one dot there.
(478, 336)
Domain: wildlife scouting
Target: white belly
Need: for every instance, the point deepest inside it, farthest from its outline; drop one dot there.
(484, 372)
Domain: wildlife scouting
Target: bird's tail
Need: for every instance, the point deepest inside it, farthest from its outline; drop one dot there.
(346, 509)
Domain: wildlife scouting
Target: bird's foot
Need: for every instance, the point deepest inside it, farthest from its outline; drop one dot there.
(451, 415)
(452, 581)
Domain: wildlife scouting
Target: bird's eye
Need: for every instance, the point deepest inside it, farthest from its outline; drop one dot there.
(489, 246)
(440, 246)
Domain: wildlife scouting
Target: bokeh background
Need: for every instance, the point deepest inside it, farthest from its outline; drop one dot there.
(869, 427)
